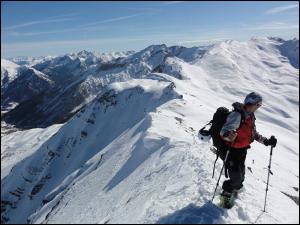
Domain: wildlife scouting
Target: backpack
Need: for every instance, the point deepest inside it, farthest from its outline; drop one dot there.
(217, 122)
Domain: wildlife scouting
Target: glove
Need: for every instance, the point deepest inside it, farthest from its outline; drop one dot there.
(271, 141)
(230, 136)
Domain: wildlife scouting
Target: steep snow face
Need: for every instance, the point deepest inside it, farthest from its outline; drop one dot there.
(190, 54)
(59, 161)
(63, 69)
(132, 154)
(28, 85)
(21, 144)
(239, 62)
(9, 72)
(290, 49)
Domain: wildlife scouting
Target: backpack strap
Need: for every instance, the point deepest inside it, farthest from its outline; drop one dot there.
(243, 117)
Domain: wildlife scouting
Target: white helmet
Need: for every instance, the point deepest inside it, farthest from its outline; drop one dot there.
(204, 135)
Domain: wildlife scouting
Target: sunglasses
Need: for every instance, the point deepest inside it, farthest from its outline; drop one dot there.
(258, 104)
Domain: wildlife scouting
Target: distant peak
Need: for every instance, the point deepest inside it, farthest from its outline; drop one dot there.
(155, 47)
(84, 53)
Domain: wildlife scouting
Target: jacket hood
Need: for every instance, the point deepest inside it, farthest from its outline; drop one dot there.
(237, 106)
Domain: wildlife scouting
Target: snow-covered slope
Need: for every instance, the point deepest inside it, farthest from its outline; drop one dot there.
(25, 91)
(132, 154)
(20, 84)
(9, 72)
(289, 49)
(21, 144)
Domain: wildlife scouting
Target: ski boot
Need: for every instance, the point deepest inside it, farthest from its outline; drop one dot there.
(226, 199)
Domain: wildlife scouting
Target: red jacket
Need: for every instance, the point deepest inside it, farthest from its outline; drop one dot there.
(244, 134)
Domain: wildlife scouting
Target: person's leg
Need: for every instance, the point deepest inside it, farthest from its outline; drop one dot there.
(235, 170)
(243, 159)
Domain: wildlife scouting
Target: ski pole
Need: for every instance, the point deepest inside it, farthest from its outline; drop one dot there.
(227, 153)
(215, 166)
(269, 171)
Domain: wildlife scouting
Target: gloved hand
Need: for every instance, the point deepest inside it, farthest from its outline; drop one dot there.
(230, 136)
(271, 141)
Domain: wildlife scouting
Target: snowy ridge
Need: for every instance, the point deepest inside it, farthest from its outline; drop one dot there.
(80, 76)
(29, 61)
(9, 72)
(139, 97)
(132, 155)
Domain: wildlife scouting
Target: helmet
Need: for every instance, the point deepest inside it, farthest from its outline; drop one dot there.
(253, 98)
(204, 135)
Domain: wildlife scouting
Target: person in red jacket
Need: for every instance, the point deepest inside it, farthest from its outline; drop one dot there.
(238, 133)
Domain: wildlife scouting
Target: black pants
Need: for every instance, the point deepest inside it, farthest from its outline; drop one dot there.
(235, 167)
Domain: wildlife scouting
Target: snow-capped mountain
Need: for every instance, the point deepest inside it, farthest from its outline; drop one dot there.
(79, 77)
(290, 49)
(20, 86)
(30, 61)
(25, 60)
(65, 71)
(25, 91)
(9, 72)
(131, 154)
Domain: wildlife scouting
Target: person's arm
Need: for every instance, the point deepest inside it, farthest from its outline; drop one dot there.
(228, 131)
(263, 140)
(258, 137)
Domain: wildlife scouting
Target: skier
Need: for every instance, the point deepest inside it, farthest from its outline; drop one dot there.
(238, 133)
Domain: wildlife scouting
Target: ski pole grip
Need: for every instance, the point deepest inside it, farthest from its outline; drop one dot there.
(272, 137)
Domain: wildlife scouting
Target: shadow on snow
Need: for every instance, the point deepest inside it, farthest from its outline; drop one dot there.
(192, 214)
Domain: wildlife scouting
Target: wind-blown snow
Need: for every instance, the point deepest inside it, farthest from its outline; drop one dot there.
(132, 154)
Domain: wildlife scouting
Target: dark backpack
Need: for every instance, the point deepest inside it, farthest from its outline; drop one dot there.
(219, 119)
(217, 122)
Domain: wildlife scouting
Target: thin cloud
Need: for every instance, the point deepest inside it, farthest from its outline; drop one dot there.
(64, 15)
(143, 12)
(84, 27)
(281, 9)
(273, 26)
(21, 46)
(112, 20)
(172, 2)
(95, 28)
(39, 22)
(14, 47)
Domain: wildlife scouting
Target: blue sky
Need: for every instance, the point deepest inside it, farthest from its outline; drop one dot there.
(54, 28)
